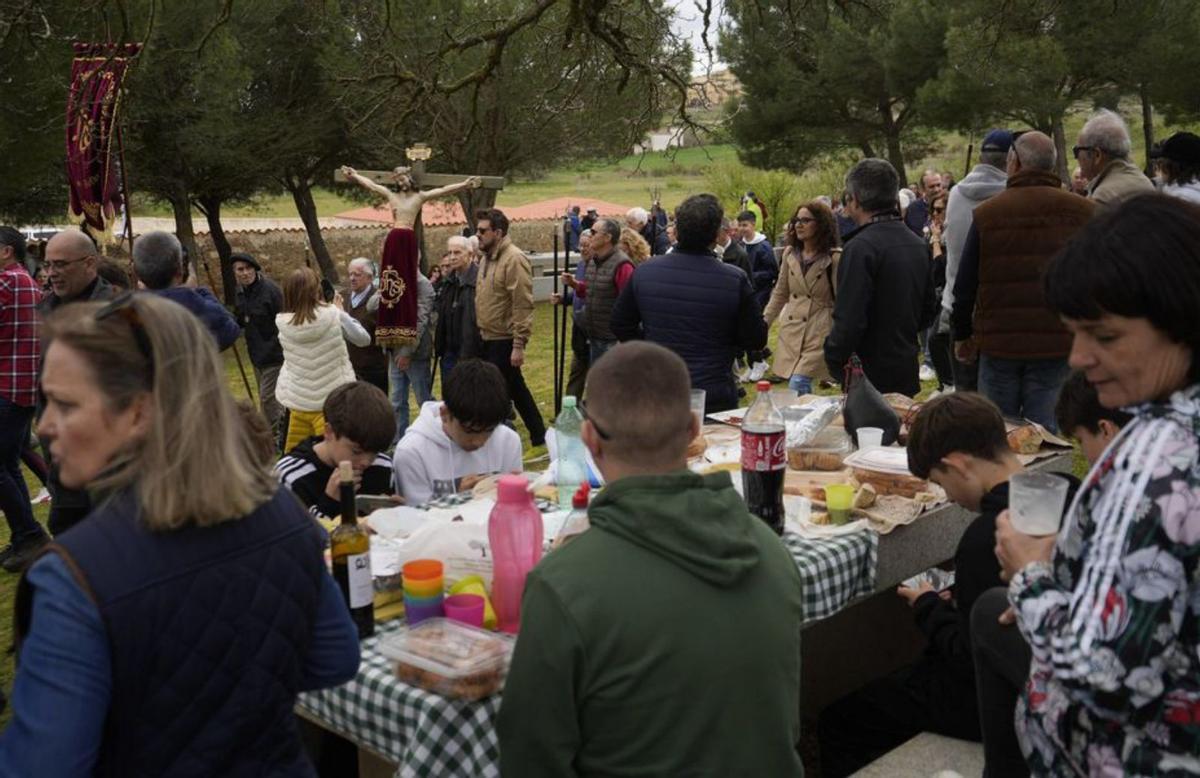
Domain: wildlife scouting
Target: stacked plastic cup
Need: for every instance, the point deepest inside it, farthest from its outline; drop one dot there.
(423, 590)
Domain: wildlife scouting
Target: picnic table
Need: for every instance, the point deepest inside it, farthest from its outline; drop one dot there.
(409, 732)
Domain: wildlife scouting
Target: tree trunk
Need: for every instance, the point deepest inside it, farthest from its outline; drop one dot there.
(1147, 125)
(473, 200)
(896, 156)
(1060, 146)
(302, 197)
(181, 207)
(211, 208)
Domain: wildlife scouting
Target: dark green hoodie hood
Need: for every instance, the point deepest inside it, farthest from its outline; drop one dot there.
(696, 522)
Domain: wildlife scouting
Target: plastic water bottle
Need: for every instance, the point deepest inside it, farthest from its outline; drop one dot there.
(515, 535)
(572, 460)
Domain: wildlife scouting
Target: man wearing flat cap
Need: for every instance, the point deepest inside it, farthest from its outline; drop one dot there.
(258, 300)
(1177, 164)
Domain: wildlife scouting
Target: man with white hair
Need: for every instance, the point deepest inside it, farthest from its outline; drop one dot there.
(369, 362)
(639, 219)
(1000, 314)
(1103, 154)
(457, 334)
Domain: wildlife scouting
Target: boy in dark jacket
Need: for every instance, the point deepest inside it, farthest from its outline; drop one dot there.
(957, 441)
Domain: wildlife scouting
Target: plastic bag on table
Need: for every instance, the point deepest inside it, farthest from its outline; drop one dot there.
(865, 406)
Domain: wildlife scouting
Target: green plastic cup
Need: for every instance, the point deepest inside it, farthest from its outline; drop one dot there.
(838, 499)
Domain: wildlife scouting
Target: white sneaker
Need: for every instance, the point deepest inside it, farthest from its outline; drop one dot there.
(758, 371)
(40, 497)
(927, 373)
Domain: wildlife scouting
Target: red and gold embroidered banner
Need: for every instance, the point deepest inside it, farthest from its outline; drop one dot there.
(92, 105)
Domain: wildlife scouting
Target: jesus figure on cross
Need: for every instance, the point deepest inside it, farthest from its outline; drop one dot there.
(406, 204)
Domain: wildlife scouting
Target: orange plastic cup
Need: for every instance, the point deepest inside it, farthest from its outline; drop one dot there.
(421, 570)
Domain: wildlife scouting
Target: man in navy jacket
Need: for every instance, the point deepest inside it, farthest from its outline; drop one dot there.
(158, 260)
(694, 304)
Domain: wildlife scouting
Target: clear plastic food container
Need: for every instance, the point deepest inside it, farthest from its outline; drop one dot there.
(827, 451)
(450, 658)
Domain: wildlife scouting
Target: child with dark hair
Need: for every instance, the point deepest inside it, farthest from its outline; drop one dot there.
(957, 441)
(456, 442)
(359, 426)
(1081, 416)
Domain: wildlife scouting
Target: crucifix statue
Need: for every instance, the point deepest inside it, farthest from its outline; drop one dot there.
(416, 187)
(398, 277)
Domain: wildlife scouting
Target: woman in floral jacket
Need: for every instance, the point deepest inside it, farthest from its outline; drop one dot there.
(1111, 607)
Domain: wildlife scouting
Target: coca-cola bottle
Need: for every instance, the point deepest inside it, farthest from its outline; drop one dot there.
(764, 458)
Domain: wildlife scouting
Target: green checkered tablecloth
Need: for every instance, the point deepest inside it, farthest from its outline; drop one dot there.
(429, 735)
(835, 571)
(425, 733)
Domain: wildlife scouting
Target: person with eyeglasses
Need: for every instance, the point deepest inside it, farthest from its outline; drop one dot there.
(804, 296)
(72, 261)
(1102, 152)
(1000, 315)
(617, 669)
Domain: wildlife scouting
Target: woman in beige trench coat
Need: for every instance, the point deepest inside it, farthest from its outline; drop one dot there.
(804, 295)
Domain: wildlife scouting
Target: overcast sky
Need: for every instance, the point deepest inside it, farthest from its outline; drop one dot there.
(689, 22)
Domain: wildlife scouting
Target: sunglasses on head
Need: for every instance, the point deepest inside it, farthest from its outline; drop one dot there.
(122, 307)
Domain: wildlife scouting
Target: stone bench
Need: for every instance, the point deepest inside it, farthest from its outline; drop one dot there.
(925, 756)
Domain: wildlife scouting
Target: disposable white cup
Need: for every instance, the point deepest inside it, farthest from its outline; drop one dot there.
(699, 396)
(869, 437)
(1035, 502)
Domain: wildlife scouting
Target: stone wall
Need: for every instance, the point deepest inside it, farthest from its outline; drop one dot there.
(282, 250)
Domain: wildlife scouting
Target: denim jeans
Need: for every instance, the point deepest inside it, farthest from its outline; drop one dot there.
(1023, 388)
(14, 496)
(800, 384)
(598, 348)
(421, 380)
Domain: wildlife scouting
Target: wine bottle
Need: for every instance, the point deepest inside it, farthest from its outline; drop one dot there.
(351, 551)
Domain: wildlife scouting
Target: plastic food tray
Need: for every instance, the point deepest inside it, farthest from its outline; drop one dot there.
(450, 658)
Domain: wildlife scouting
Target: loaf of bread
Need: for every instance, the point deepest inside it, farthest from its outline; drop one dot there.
(891, 483)
(1026, 439)
(805, 459)
(865, 496)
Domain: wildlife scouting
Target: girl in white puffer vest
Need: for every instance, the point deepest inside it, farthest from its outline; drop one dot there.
(313, 334)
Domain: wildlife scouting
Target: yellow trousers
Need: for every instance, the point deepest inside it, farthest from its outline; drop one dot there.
(301, 425)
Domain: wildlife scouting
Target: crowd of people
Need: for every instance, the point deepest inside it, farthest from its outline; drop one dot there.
(176, 512)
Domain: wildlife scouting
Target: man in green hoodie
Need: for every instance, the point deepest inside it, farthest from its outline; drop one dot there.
(665, 640)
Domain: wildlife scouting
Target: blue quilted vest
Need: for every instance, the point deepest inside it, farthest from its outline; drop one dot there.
(208, 630)
(689, 303)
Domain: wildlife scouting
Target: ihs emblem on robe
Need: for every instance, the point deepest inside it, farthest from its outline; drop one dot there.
(391, 287)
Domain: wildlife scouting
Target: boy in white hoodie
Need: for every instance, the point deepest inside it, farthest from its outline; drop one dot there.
(456, 442)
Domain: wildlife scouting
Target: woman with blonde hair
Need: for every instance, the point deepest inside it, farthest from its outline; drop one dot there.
(634, 246)
(315, 360)
(804, 294)
(169, 632)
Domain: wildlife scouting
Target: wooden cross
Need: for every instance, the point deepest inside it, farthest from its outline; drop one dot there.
(417, 155)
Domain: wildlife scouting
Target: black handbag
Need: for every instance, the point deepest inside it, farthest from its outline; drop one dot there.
(865, 406)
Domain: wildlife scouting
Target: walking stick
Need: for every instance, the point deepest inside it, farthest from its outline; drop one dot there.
(554, 367)
(236, 354)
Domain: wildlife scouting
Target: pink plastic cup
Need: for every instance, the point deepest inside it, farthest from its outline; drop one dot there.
(465, 608)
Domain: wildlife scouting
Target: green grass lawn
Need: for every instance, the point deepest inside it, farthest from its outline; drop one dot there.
(538, 373)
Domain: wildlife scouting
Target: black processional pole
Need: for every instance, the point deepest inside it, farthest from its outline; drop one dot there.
(554, 368)
(562, 334)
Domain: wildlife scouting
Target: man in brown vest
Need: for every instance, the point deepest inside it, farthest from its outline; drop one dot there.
(1000, 315)
(607, 273)
(362, 302)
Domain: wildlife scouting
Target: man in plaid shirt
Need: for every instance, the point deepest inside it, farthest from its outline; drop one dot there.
(19, 358)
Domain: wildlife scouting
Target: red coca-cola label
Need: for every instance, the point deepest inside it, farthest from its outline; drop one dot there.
(764, 451)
